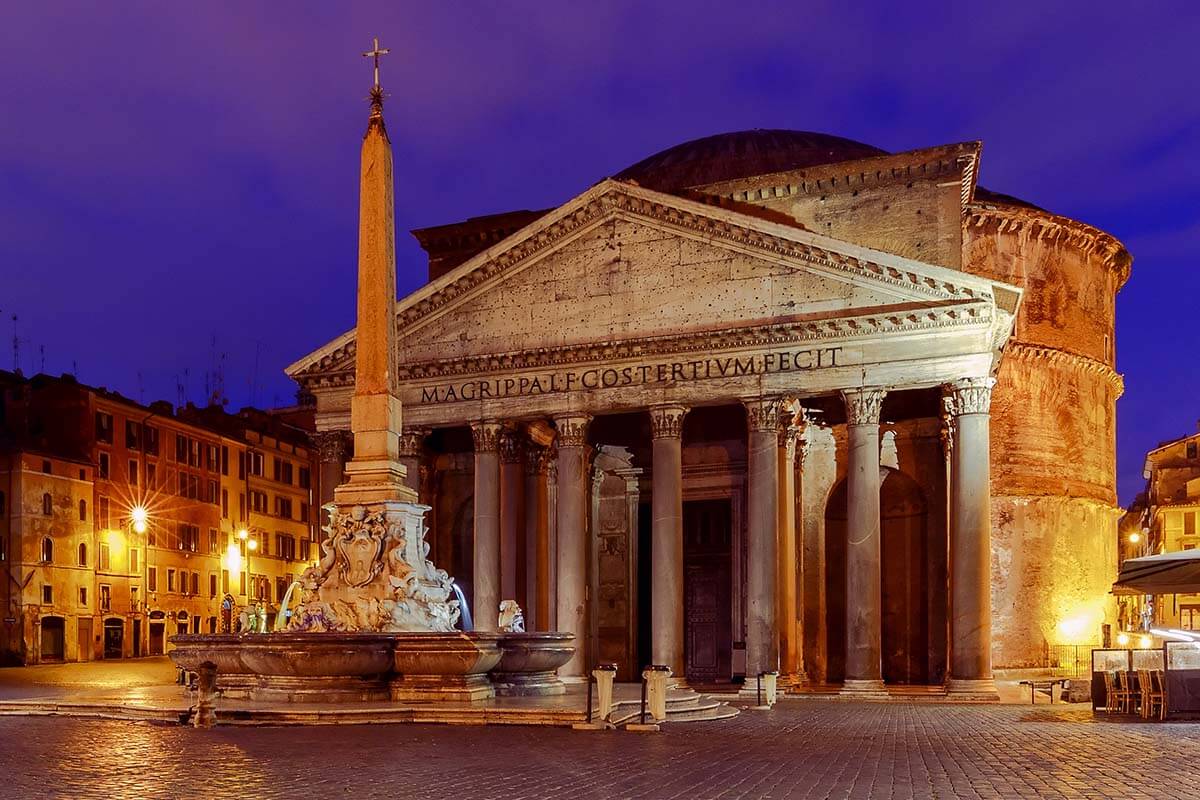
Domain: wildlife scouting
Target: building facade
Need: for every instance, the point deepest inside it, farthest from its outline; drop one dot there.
(145, 503)
(733, 410)
(1163, 519)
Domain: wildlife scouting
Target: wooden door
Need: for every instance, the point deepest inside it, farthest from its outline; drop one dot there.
(708, 591)
(85, 638)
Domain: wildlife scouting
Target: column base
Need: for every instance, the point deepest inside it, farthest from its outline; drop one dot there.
(863, 689)
(982, 689)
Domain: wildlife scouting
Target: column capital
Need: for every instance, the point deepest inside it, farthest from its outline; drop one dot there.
(332, 445)
(511, 445)
(762, 413)
(486, 436)
(538, 459)
(572, 429)
(666, 421)
(412, 441)
(969, 396)
(863, 406)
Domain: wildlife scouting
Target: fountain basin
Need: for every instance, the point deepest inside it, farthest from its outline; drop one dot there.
(449, 667)
(529, 662)
(292, 667)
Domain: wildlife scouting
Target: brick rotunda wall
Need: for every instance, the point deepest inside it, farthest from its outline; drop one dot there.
(1054, 509)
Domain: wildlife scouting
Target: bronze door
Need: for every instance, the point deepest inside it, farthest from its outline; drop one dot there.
(707, 579)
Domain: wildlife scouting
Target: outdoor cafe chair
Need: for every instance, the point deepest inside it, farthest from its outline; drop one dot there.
(1122, 692)
(1155, 694)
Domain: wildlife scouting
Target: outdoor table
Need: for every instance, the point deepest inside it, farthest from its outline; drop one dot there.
(1035, 684)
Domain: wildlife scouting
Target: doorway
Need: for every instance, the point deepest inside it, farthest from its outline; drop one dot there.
(114, 638)
(157, 631)
(137, 638)
(708, 590)
(53, 638)
(84, 634)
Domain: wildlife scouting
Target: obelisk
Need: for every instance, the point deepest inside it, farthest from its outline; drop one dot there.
(375, 474)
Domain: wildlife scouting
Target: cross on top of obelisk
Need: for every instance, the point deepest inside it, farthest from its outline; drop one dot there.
(375, 53)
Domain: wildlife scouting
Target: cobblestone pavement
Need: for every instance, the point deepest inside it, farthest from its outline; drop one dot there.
(46, 680)
(802, 749)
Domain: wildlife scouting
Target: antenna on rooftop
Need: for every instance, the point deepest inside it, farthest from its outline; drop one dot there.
(141, 388)
(42, 354)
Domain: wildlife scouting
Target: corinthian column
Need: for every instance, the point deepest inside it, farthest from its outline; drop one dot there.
(537, 537)
(864, 593)
(666, 559)
(412, 448)
(486, 595)
(332, 446)
(786, 618)
(762, 550)
(969, 402)
(572, 504)
(512, 518)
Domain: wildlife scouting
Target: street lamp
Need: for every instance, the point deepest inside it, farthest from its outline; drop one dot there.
(251, 546)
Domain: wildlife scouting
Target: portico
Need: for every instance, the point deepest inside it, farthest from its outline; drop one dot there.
(645, 418)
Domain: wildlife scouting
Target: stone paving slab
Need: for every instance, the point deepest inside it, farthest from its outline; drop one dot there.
(801, 749)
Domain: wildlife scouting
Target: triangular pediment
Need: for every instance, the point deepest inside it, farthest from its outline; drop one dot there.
(621, 263)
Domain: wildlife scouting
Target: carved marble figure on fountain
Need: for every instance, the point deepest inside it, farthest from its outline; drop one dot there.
(512, 618)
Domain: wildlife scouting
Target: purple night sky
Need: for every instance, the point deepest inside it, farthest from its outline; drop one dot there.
(171, 173)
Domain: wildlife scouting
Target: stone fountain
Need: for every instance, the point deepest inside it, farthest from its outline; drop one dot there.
(376, 620)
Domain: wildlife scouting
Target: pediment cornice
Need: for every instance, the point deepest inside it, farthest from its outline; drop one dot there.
(612, 199)
(338, 369)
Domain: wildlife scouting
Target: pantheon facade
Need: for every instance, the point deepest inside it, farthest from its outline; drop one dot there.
(768, 400)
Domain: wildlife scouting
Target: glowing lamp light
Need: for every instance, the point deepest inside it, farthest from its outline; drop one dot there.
(252, 544)
(1145, 642)
(233, 559)
(1123, 639)
(139, 516)
(1073, 627)
(1135, 537)
(243, 534)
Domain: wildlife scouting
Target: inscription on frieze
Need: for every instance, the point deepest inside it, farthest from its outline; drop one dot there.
(574, 380)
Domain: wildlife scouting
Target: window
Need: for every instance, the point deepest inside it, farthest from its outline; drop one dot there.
(105, 597)
(281, 586)
(83, 474)
(1189, 523)
(47, 549)
(258, 501)
(181, 448)
(255, 463)
(224, 504)
(212, 584)
(150, 440)
(83, 595)
(83, 562)
(103, 519)
(189, 537)
(241, 466)
(304, 513)
(305, 478)
(3, 549)
(1, 502)
(83, 510)
(305, 550)
(133, 560)
(133, 435)
(47, 504)
(285, 546)
(214, 544)
(170, 580)
(151, 476)
(241, 505)
(224, 460)
(225, 581)
(283, 507)
(195, 583)
(47, 594)
(193, 453)
(213, 495)
(103, 466)
(152, 578)
(133, 472)
(133, 598)
(104, 427)
(102, 560)
(47, 468)
(241, 581)
(1191, 449)
(212, 461)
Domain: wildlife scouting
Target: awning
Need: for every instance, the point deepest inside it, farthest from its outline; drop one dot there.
(1169, 573)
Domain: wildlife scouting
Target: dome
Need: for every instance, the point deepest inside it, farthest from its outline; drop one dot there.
(743, 154)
